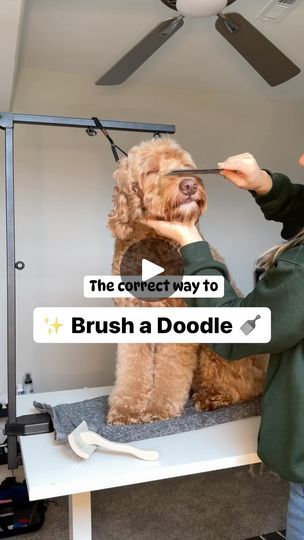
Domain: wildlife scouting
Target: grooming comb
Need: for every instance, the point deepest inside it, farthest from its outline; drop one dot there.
(248, 326)
(186, 172)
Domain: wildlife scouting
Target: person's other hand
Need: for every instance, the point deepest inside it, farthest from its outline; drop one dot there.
(182, 233)
(244, 171)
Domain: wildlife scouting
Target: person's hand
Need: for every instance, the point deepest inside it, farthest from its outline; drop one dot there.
(301, 160)
(182, 233)
(244, 171)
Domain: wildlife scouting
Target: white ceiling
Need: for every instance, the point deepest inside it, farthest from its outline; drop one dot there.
(87, 37)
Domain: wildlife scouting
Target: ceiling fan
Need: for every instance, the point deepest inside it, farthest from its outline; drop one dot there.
(264, 57)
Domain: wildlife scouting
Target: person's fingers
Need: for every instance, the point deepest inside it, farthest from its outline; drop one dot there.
(301, 160)
(245, 155)
(234, 177)
(237, 163)
(150, 222)
(243, 163)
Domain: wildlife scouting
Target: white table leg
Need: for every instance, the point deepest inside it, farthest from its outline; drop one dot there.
(80, 522)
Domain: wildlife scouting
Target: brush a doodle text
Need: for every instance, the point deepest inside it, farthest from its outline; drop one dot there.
(161, 325)
(152, 325)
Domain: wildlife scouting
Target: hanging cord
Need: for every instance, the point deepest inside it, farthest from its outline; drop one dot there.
(114, 146)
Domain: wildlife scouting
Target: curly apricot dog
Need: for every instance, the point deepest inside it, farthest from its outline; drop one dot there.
(153, 382)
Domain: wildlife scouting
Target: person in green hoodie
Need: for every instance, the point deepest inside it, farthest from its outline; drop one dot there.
(281, 288)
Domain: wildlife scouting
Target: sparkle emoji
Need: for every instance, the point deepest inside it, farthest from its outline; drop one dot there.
(53, 327)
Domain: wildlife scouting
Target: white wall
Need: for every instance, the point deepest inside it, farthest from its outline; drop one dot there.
(63, 195)
(11, 13)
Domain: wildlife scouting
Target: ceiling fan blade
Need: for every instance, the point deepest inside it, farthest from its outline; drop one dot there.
(141, 52)
(263, 55)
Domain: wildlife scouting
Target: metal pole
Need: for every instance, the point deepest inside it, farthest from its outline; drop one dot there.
(64, 121)
(7, 121)
(11, 291)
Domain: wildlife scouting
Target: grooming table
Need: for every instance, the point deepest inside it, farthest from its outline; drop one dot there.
(53, 470)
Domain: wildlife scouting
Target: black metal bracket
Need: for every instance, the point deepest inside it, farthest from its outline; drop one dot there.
(30, 424)
(91, 132)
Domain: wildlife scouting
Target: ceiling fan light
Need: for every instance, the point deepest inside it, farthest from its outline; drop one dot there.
(200, 8)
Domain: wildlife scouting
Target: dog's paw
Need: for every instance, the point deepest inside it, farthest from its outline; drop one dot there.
(158, 413)
(124, 416)
(206, 401)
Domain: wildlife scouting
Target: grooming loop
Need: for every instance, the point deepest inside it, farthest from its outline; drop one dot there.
(114, 146)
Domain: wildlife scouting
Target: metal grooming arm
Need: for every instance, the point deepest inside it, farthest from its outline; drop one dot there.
(31, 424)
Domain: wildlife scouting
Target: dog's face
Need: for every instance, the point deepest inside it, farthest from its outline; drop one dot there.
(144, 191)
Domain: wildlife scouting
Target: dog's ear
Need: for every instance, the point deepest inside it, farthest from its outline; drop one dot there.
(120, 220)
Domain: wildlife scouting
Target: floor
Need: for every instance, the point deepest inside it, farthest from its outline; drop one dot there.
(223, 505)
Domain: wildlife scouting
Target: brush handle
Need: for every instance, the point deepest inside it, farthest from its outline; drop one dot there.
(90, 437)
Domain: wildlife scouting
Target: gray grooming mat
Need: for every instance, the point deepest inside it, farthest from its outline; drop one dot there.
(67, 416)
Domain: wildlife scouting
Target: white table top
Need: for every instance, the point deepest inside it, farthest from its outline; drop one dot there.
(52, 469)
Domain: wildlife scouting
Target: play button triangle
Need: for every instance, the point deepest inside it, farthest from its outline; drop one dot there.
(149, 269)
(148, 262)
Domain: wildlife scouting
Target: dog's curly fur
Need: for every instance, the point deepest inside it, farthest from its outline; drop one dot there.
(153, 382)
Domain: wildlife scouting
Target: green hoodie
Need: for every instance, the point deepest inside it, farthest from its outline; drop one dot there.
(281, 436)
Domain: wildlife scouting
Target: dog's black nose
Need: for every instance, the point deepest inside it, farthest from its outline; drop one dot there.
(188, 186)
